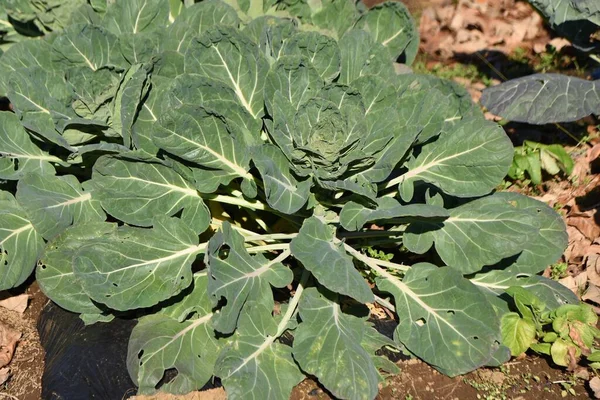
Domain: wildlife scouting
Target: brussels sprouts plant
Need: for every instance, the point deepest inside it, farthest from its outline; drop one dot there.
(222, 175)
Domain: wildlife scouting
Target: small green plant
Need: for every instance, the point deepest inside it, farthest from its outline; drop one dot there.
(532, 158)
(558, 270)
(566, 334)
(548, 60)
(469, 72)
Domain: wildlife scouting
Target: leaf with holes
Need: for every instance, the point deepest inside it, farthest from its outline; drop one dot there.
(327, 333)
(256, 365)
(20, 243)
(55, 273)
(444, 319)
(54, 203)
(18, 154)
(134, 267)
(239, 277)
(161, 342)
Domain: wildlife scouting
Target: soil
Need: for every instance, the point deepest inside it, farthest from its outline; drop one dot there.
(531, 378)
(27, 365)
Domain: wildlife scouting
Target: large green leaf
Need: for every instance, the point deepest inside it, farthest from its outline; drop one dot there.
(41, 99)
(203, 137)
(20, 244)
(444, 319)
(135, 191)
(552, 293)
(543, 98)
(469, 162)
(53, 203)
(143, 47)
(335, 16)
(284, 192)
(133, 88)
(543, 248)
(315, 248)
(150, 110)
(55, 273)
(134, 16)
(226, 55)
(134, 267)
(354, 215)
(479, 233)
(94, 93)
(239, 277)
(18, 154)
(361, 56)
(391, 25)
(293, 77)
(87, 46)
(327, 344)
(255, 365)
(194, 89)
(322, 52)
(196, 19)
(161, 342)
(46, 16)
(25, 54)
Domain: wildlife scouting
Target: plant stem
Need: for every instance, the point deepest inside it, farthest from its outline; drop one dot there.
(284, 254)
(385, 303)
(369, 234)
(391, 265)
(269, 247)
(256, 205)
(292, 305)
(271, 236)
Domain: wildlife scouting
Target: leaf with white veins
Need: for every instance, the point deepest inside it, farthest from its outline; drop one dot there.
(255, 365)
(469, 162)
(284, 192)
(135, 267)
(239, 277)
(314, 247)
(135, 16)
(479, 233)
(18, 154)
(444, 319)
(135, 191)
(327, 344)
(391, 25)
(161, 342)
(54, 203)
(203, 137)
(20, 244)
(55, 273)
(226, 55)
(353, 215)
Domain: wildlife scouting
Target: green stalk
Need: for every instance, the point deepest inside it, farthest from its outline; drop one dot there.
(220, 198)
(268, 247)
(292, 305)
